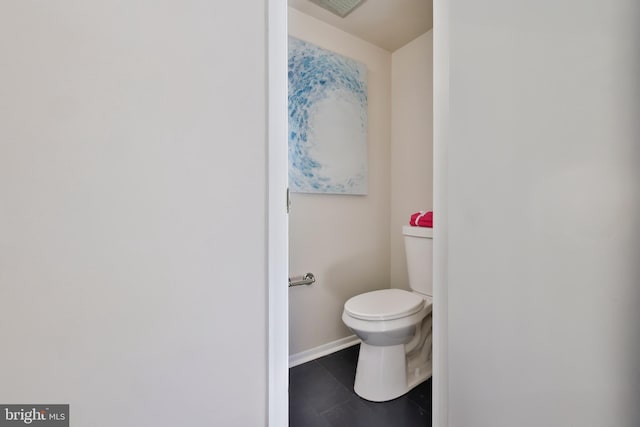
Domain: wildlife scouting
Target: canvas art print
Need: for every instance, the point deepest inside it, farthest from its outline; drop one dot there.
(327, 121)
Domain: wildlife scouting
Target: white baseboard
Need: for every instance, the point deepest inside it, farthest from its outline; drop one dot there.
(322, 350)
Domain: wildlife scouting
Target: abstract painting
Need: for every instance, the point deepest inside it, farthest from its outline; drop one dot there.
(327, 121)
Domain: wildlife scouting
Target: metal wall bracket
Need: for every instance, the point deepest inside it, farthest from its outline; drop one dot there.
(307, 279)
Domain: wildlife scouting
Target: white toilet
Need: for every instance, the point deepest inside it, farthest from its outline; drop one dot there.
(395, 326)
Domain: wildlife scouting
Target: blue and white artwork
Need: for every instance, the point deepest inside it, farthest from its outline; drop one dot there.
(327, 121)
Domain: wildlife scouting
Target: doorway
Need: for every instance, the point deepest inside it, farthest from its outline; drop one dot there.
(278, 247)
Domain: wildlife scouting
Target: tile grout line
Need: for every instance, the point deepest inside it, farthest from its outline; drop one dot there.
(341, 385)
(338, 367)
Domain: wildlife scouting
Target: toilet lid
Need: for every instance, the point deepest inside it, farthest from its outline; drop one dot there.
(385, 304)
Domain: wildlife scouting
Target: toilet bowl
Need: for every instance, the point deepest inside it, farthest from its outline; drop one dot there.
(394, 326)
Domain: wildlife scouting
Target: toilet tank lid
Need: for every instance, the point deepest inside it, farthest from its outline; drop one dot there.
(409, 230)
(385, 304)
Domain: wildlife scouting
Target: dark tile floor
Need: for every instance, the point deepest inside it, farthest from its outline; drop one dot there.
(321, 395)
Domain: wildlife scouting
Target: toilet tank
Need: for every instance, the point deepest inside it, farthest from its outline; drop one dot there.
(418, 245)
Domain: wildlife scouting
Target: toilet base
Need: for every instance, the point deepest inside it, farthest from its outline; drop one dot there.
(382, 375)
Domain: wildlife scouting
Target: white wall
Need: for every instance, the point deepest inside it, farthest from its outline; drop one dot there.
(544, 213)
(343, 240)
(411, 143)
(132, 180)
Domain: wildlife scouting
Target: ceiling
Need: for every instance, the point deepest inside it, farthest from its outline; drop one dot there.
(389, 24)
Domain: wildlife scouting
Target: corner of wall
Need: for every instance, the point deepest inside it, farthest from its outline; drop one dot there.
(411, 143)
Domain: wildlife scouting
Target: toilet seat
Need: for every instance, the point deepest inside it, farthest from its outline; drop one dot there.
(384, 304)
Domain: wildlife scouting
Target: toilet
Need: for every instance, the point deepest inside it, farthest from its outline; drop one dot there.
(394, 326)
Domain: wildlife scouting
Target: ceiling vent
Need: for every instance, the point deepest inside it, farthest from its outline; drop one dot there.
(340, 7)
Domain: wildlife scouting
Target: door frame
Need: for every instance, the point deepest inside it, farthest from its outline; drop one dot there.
(441, 126)
(277, 219)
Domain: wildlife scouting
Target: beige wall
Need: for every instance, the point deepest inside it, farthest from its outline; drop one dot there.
(132, 185)
(411, 143)
(343, 240)
(544, 212)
